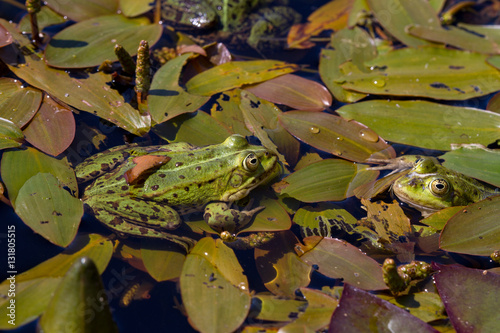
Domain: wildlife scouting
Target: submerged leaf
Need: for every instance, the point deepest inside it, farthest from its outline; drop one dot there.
(10, 135)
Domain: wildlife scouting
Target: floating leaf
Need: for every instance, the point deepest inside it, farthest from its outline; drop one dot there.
(163, 260)
(281, 270)
(427, 72)
(425, 124)
(460, 38)
(471, 297)
(131, 8)
(5, 37)
(261, 119)
(79, 292)
(331, 16)
(90, 42)
(82, 10)
(273, 218)
(226, 110)
(20, 165)
(426, 306)
(293, 91)
(360, 311)
(349, 45)
(235, 74)
(17, 103)
(438, 219)
(89, 92)
(475, 162)
(211, 279)
(277, 308)
(193, 129)
(166, 99)
(52, 129)
(346, 139)
(396, 15)
(45, 18)
(475, 230)
(320, 307)
(48, 209)
(326, 180)
(338, 259)
(34, 288)
(10, 135)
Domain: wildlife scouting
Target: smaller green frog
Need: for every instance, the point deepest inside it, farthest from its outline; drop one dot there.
(428, 186)
(251, 21)
(145, 191)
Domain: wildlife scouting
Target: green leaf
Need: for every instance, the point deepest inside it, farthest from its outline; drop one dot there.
(337, 259)
(349, 45)
(226, 110)
(78, 10)
(90, 42)
(454, 36)
(282, 272)
(52, 129)
(48, 209)
(211, 280)
(438, 219)
(166, 98)
(34, 288)
(425, 124)
(163, 260)
(20, 165)
(45, 18)
(89, 92)
(346, 139)
(324, 220)
(396, 15)
(199, 129)
(10, 135)
(471, 297)
(427, 72)
(131, 8)
(80, 292)
(475, 162)
(18, 103)
(426, 306)
(235, 74)
(326, 180)
(474, 230)
(277, 308)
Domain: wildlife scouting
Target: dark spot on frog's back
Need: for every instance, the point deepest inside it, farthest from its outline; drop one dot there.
(143, 231)
(124, 187)
(116, 221)
(110, 192)
(456, 67)
(439, 85)
(105, 167)
(162, 175)
(154, 187)
(155, 209)
(95, 173)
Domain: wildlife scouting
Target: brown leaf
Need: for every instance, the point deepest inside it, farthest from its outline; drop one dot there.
(143, 164)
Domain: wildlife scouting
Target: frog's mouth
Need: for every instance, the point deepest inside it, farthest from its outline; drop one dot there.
(401, 196)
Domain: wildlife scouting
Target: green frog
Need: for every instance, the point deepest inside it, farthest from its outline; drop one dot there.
(145, 191)
(248, 20)
(428, 186)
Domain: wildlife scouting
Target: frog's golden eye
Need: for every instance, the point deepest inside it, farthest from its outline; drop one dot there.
(439, 187)
(251, 162)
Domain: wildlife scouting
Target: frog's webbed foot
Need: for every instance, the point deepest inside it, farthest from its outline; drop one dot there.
(396, 164)
(220, 217)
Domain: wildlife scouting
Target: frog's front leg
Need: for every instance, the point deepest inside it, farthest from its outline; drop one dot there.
(134, 216)
(220, 217)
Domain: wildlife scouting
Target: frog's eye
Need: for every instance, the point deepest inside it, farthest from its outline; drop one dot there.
(439, 187)
(251, 162)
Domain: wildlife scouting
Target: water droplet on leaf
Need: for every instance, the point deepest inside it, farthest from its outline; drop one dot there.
(368, 134)
(314, 130)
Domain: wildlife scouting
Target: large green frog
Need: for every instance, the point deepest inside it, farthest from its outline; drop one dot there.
(250, 21)
(145, 191)
(428, 186)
